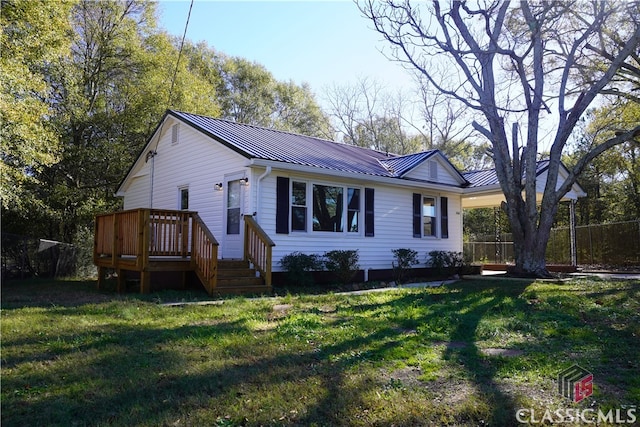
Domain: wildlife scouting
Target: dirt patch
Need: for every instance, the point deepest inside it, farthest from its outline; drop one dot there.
(504, 352)
(279, 311)
(451, 344)
(407, 376)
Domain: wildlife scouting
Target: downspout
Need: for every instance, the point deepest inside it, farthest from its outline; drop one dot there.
(151, 155)
(258, 198)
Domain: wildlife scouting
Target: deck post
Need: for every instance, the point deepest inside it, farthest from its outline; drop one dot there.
(121, 283)
(145, 274)
(100, 277)
(184, 218)
(114, 241)
(145, 281)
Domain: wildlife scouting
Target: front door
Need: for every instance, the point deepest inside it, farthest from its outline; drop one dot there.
(232, 246)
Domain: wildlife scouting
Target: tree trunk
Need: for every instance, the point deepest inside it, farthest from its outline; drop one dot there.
(530, 253)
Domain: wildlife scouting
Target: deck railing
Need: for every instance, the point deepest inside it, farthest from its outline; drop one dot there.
(127, 240)
(258, 248)
(139, 231)
(204, 250)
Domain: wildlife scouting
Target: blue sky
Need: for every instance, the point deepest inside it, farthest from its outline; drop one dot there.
(318, 42)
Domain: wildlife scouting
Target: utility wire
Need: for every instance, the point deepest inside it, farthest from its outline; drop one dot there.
(175, 73)
(152, 153)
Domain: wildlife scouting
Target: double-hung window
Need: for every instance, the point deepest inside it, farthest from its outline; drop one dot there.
(184, 198)
(429, 216)
(299, 206)
(426, 216)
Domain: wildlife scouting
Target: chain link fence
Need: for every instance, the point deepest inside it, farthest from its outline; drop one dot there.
(615, 244)
(26, 257)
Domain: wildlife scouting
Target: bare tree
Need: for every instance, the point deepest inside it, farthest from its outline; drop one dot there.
(369, 116)
(524, 62)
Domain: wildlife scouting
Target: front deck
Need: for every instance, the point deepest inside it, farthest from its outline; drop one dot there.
(155, 240)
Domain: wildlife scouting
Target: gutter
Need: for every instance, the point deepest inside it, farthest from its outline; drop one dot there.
(398, 182)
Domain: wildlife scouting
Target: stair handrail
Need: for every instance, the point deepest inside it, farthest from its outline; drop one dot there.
(258, 248)
(204, 253)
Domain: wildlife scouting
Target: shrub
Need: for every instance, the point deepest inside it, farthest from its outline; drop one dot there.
(299, 267)
(445, 262)
(343, 263)
(404, 259)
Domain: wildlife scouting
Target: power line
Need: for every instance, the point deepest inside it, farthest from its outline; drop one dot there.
(175, 73)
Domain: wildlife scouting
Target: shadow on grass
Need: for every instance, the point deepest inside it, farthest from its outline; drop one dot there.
(75, 293)
(122, 375)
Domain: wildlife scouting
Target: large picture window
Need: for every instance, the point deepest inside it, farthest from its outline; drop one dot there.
(305, 206)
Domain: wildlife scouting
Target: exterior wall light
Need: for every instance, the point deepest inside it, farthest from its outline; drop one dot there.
(218, 186)
(244, 181)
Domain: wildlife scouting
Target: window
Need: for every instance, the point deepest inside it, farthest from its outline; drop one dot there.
(299, 206)
(184, 199)
(303, 207)
(353, 209)
(327, 208)
(425, 216)
(233, 207)
(429, 216)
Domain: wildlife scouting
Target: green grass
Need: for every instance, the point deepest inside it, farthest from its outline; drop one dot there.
(75, 356)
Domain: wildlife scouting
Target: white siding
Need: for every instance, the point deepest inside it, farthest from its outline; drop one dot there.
(541, 181)
(444, 173)
(393, 225)
(137, 195)
(196, 162)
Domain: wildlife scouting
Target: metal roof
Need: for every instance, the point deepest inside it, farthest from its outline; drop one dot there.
(270, 144)
(485, 177)
(400, 165)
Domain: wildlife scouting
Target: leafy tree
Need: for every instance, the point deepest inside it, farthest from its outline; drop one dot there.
(520, 62)
(34, 34)
(250, 94)
(612, 181)
(86, 83)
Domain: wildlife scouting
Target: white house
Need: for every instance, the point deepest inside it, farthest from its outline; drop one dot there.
(306, 194)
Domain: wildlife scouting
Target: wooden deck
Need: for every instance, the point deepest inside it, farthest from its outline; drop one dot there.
(153, 240)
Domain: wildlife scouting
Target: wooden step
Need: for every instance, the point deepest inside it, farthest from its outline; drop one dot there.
(226, 264)
(237, 277)
(261, 289)
(239, 281)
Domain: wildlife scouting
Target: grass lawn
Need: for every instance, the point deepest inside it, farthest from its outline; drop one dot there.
(471, 353)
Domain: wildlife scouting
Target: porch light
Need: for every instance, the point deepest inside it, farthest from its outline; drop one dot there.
(244, 181)
(218, 186)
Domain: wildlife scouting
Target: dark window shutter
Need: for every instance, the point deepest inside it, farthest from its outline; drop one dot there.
(368, 212)
(282, 205)
(417, 215)
(444, 217)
